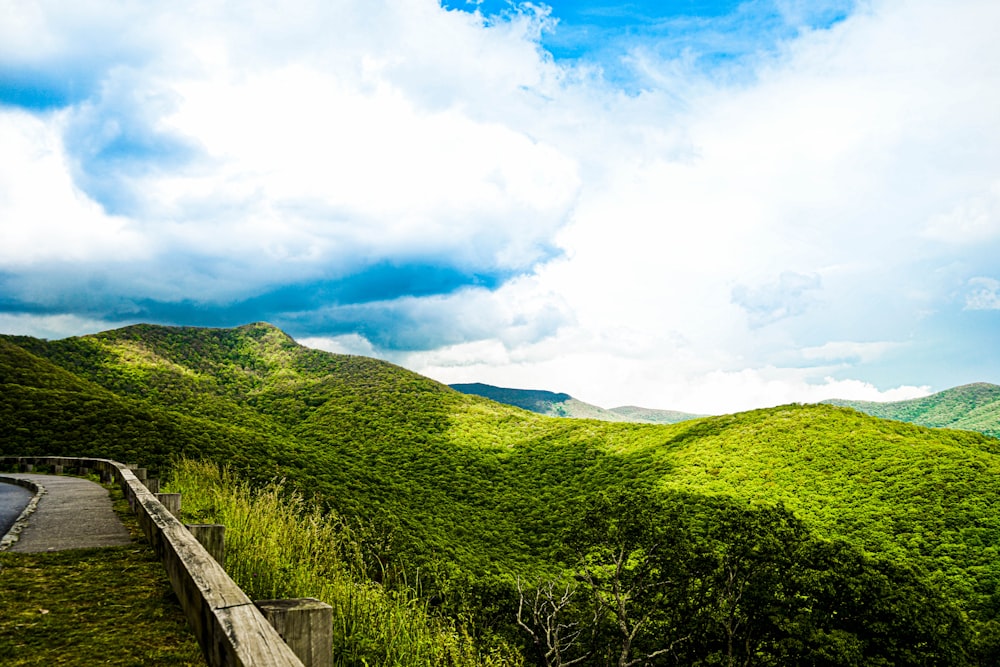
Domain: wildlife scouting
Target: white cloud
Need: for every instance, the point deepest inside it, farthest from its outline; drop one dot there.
(671, 380)
(789, 296)
(44, 216)
(849, 351)
(304, 143)
(53, 327)
(346, 344)
(984, 295)
(418, 182)
(820, 171)
(857, 390)
(723, 242)
(973, 220)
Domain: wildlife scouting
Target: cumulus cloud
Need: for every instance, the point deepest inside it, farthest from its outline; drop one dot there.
(45, 217)
(790, 295)
(344, 344)
(514, 315)
(672, 378)
(849, 351)
(649, 224)
(241, 151)
(984, 294)
(53, 327)
(973, 220)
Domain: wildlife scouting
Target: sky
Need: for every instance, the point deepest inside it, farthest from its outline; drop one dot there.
(697, 205)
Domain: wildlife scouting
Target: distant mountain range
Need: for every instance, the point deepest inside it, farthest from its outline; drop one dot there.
(971, 407)
(863, 540)
(563, 405)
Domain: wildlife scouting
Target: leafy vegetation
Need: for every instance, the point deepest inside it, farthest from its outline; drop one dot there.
(707, 581)
(280, 546)
(495, 509)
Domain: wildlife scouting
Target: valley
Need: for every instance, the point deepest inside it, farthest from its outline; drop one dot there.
(483, 499)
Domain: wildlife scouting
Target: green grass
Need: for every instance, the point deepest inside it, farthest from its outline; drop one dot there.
(107, 606)
(278, 545)
(469, 493)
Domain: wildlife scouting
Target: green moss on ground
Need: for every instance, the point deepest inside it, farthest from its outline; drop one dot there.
(107, 606)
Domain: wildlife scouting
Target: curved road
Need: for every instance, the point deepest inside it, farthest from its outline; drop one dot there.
(73, 513)
(13, 499)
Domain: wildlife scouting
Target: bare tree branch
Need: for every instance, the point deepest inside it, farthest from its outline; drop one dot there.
(553, 637)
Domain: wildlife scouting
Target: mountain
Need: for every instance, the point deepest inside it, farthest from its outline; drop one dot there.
(475, 496)
(639, 415)
(971, 407)
(564, 405)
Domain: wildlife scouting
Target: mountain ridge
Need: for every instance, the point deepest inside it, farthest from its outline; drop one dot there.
(969, 407)
(477, 491)
(554, 404)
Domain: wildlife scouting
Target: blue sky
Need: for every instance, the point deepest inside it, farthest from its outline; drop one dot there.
(704, 206)
(714, 34)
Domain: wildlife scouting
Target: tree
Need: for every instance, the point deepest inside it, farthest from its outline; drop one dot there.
(858, 610)
(633, 555)
(754, 551)
(554, 623)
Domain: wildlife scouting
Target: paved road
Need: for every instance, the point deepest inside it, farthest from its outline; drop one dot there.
(73, 513)
(13, 499)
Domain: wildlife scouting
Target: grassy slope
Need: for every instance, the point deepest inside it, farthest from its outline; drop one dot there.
(470, 483)
(47, 410)
(971, 407)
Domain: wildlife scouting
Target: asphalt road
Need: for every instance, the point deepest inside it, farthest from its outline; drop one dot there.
(13, 499)
(72, 514)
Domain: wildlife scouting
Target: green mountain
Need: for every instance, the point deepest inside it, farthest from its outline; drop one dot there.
(564, 405)
(971, 407)
(639, 415)
(846, 535)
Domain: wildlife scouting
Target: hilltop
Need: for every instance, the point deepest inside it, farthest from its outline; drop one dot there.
(563, 405)
(473, 493)
(971, 407)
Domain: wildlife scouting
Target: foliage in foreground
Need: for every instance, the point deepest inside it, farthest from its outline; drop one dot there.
(657, 579)
(280, 546)
(675, 579)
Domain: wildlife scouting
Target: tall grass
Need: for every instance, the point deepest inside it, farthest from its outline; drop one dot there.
(279, 545)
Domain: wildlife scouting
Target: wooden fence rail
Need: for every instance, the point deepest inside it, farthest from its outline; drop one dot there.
(230, 628)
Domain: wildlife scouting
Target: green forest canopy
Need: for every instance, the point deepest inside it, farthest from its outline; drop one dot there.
(475, 491)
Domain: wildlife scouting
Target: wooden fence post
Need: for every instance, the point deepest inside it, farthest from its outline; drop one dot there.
(172, 501)
(306, 625)
(212, 536)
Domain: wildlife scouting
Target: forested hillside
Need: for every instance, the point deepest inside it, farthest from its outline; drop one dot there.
(793, 535)
(563, 405)
(971, 407)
